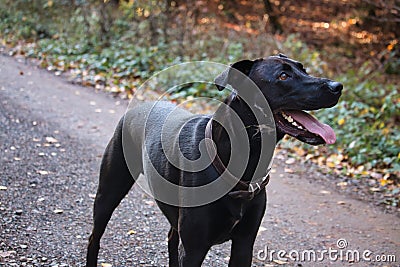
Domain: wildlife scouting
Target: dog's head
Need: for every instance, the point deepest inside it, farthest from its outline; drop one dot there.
(289, 90)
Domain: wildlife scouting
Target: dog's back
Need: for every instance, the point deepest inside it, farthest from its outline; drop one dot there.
(163, 137)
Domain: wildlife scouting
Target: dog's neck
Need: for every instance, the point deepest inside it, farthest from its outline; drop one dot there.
(223, 140)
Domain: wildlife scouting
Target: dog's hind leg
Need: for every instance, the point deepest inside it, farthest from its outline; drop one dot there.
(173, 243)
(115, 182)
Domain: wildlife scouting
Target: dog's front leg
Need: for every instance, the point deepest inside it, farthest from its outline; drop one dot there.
(194, 237)
(241, 252)
(245, 233)
(192, 256)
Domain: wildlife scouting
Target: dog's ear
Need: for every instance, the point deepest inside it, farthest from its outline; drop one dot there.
(232, 77)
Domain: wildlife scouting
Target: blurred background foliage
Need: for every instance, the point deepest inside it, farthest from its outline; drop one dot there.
(114, 45)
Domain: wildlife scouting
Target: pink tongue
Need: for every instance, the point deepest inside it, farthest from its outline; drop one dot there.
(313, 125)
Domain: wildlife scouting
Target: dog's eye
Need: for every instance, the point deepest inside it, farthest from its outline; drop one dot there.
(283, 76)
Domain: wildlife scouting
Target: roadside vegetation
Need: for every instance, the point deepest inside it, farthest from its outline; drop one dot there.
(116, 45)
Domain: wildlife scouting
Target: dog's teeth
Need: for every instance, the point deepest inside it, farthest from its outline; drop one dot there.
(298, 126)
(288, 118)
(291, 120)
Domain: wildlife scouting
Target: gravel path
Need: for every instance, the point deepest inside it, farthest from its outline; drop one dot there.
(52, 136)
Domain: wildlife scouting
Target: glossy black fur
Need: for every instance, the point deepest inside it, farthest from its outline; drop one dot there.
(194, 230)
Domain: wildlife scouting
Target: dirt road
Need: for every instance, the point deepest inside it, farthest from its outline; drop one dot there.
(52, 135)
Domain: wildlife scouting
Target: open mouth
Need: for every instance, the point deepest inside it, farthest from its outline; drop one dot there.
(304, 127)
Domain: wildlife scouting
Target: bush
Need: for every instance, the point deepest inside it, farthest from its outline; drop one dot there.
(366, 120)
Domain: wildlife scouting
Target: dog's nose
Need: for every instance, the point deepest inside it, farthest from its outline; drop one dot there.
(335, 87)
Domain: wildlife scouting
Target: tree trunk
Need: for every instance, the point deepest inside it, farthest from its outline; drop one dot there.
(106, 10)
(276, 27)
(167, 20)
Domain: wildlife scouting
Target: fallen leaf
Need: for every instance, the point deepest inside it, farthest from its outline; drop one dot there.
(342, 184)
(376, 175)
(331, 164)
(309, 156)
(149, 202)
(321, 161)
(58, 211)
(51, 140)
(287, 170)
(290, 161)
(384, 182)
(324, 192)
(5, 254)
(131, 232)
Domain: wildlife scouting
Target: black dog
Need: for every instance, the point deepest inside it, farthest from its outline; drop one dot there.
(237, 215)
